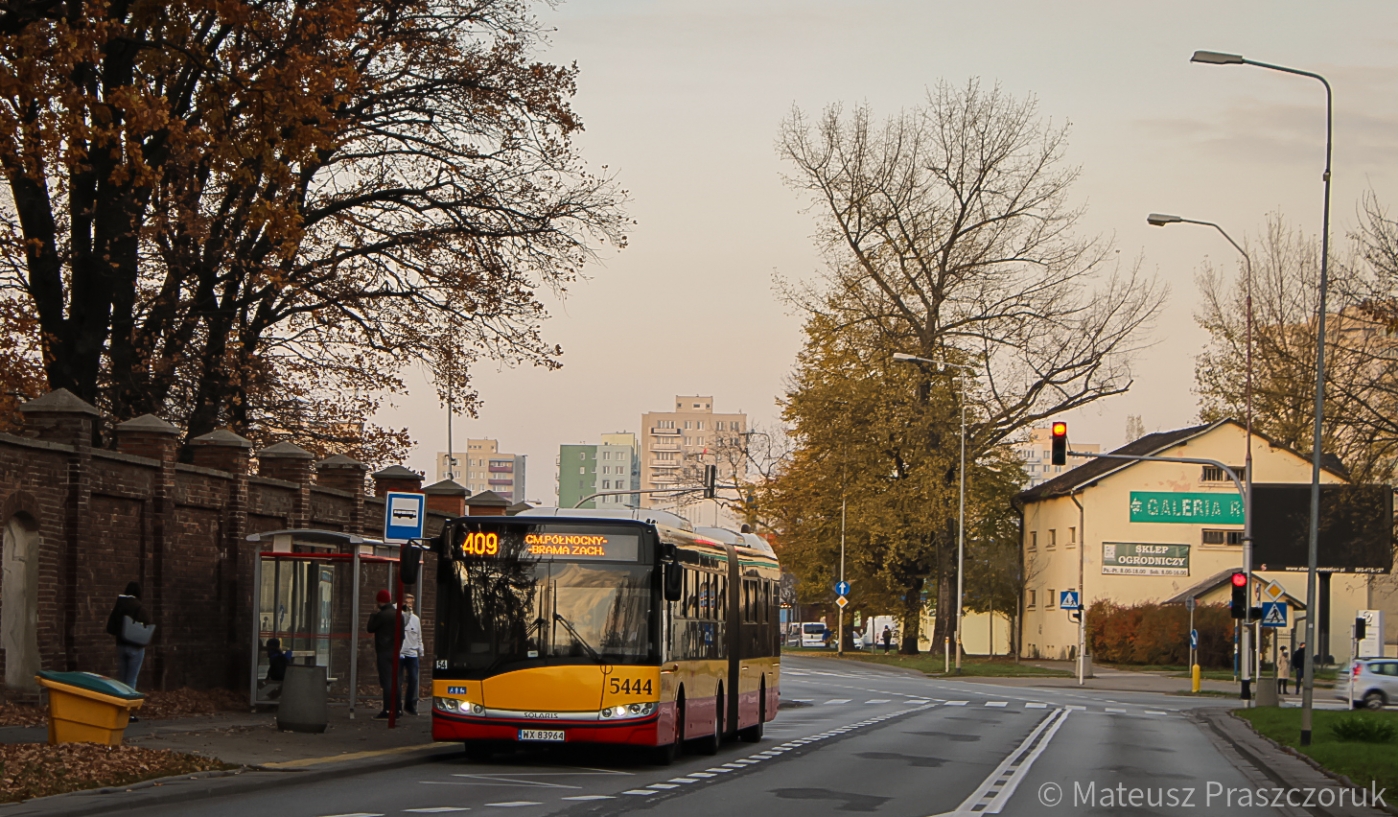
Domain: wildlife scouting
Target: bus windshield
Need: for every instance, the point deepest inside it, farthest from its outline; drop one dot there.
(494, 613)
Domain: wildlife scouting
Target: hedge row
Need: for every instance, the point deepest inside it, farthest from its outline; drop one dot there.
(1158, 634)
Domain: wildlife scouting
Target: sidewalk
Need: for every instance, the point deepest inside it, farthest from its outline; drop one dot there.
(1105, 678)
(271, 757)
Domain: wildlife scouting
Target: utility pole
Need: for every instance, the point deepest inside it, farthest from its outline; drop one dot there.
(840, 634)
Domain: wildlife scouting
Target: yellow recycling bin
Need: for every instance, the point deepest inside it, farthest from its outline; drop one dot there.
(88, 708)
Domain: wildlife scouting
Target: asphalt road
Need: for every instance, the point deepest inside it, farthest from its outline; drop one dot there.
(864, 741)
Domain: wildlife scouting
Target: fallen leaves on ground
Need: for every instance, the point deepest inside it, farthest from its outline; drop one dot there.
(186, 703)
(39, 770)
(21, 714)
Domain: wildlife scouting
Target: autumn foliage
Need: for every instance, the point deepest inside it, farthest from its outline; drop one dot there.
(1158, 634)
(256, 214)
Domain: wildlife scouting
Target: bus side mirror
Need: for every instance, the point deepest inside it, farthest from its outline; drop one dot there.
(674, 581)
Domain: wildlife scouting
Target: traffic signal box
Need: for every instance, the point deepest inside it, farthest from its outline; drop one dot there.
(1060, 443)
(1239, 603)
(710, 481)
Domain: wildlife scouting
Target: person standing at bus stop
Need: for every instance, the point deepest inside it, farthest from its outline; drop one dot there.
(381, 625)
(129, 654)
(410, 657)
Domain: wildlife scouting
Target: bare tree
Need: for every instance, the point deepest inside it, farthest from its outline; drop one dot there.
(948, 233)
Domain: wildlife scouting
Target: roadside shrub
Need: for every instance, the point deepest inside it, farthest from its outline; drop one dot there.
(1158, 634)
(1363, 729)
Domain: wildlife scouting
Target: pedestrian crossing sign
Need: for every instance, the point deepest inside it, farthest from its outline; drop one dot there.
(1274, 614)
(1068, 600)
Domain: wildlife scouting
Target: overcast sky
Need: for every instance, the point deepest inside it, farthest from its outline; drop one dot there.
(682, 101)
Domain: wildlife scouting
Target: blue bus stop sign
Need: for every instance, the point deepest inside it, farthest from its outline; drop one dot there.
(403, 517)
(842, 588)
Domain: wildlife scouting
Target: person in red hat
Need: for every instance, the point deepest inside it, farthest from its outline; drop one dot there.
(381, 625)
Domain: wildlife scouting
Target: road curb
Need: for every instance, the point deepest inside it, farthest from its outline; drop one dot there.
(183, 788)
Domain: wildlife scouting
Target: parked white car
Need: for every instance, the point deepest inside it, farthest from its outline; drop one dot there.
(1375, 683)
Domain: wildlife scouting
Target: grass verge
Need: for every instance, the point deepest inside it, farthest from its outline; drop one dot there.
(934, 664)
(1364, 763)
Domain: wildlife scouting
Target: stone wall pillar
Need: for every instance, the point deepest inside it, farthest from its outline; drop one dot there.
(397, 478)
(345, 474)
(62, 417)
(222, 450)
(447, 496)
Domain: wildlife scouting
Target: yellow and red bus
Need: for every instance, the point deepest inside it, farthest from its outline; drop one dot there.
(562, 626)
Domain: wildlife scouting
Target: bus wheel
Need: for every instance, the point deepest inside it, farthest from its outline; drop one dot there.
(709, 745)
(665, 755)
(753, 734)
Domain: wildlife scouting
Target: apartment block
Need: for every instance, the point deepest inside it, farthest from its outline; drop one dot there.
(586, 469)
(675, 445)
(484, 467)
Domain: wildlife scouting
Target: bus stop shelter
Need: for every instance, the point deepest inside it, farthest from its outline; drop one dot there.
(308, 587)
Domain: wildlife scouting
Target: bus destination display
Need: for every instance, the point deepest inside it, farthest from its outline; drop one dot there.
(547, 544)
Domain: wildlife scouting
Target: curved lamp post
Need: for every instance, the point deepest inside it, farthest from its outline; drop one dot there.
(1161, 220)
(1308, 685)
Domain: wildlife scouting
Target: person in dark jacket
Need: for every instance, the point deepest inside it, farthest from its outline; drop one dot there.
(277, 662)
(381, 625)
(1298, 664)
(129, 655)
(887, 639)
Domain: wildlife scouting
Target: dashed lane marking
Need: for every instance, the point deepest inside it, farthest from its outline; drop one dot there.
(1000, 704)
(436, 810)
(686, 779)
(837, 701)
(515, 804)
(1154, 712)
(1035, 706)
(640, 792)
(662, 786)
(1116, 710)
(356, 814)
(877, 701)
(958, 703)
(591, 797)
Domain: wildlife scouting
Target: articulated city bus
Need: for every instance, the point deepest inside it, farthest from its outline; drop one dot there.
(567, 626)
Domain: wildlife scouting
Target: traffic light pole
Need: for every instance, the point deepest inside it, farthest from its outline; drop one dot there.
(1246, 640)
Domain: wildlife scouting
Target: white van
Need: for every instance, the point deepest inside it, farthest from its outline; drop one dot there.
(813, 634)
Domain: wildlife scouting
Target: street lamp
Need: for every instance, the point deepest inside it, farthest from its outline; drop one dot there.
(1308, 686)
(1161, 220)
(961, 511)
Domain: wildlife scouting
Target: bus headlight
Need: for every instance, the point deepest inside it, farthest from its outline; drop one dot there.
(456, 706)
(627, 711)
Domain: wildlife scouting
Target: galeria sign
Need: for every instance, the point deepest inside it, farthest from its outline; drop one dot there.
(1186, 508)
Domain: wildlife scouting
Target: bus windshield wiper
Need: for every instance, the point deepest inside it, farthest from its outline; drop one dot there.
(568, 625)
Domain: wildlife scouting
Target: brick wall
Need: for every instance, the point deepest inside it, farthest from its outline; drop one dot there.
(102, 518)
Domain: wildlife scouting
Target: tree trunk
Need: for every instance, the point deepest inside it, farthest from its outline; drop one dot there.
(912, 617)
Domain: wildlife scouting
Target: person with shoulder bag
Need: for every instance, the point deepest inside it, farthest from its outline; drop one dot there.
(131, 626)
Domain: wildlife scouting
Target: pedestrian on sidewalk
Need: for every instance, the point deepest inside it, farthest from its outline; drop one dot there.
(277, 662)
(410, 657)
(1298, 664)
(130, 655)
(887, 639)
(1283, 678)
(381, 625)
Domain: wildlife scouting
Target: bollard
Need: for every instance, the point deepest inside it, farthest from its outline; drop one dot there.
(946, 654)
(1194, 678)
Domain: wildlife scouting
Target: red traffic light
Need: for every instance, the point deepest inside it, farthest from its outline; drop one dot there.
(1060, 429)
(1240, 579)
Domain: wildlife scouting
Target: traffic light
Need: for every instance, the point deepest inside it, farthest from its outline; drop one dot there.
(1060, 443)
(710, 481)
(1239, 603)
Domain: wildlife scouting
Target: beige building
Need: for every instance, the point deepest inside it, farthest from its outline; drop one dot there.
(1036, 452)
(675, 445)
(484, 467)
(1150, 531)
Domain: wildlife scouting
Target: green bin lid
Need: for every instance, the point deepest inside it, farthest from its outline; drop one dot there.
(92, 682)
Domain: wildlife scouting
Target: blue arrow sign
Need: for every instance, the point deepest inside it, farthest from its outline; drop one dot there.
(1068, 600)
(403, 517)
(1274, 614)
(842, 588)
(1194, 639)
